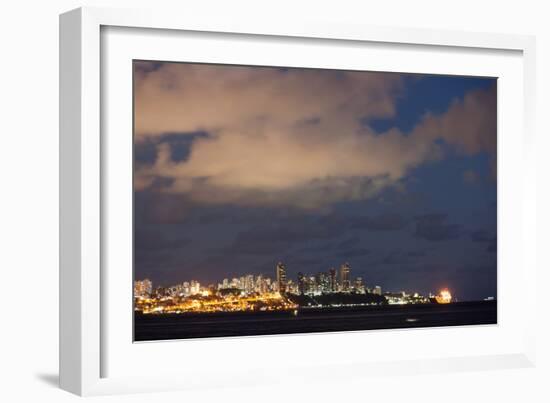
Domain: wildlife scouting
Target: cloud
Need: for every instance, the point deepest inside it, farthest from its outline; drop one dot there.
(349, 242)
(280, 236)
(383, 222)
(416, 253)
(355, 252)
(483, 236)
(156, 240)
(396, 257)
(184, 97)
(295, 137)
(434, 227)
(470, 176)
(161, 208)
(470, 124)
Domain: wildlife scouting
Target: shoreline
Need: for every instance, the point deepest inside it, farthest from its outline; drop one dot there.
(151, 327)
(324, 308)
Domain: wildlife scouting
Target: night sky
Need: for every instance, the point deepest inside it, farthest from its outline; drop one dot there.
(237, 168)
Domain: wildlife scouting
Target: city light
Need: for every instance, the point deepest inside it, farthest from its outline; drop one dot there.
(332, 289)
(444, 297)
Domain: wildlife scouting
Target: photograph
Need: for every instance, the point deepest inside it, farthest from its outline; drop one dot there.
(273, 200)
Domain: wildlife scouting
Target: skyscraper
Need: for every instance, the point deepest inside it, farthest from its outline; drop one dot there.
(344, 277)
(281, 277)
(322, 281)
(333, 282)
(311, 285)
(143, 288)
(358, 286)
(301, 283)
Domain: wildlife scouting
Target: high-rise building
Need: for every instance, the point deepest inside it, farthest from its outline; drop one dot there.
(195, 287)
(261, 285)
(301, 284)
(186, 288)
(249, 286)
(322, 281)
(292, 287)
(345, 282)
(333, 282)
(377, 290)
(358, 286)
(281, 277)
(143, 288)
(311, 286)
(258, 283)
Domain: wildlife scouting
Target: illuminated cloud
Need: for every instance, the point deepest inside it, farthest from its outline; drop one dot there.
(290, 136)
(470, 124)
(188, 97)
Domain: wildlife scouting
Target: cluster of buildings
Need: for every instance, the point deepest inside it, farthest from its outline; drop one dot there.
(144, 289)
(332, 281)
(259, 292)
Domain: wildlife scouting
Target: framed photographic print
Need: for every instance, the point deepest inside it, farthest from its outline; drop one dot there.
(276, 200)
(250, 191)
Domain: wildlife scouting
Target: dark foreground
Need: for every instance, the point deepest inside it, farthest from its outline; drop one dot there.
(308, 320)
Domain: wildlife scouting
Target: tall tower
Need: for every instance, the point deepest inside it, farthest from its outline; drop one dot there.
(281, 277)
(143, 288)
(344, 277)
(301, 284)
(333, 282)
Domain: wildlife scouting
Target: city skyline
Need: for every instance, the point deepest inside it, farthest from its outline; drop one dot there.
(238, 168)
(331, 290)
(332, 281)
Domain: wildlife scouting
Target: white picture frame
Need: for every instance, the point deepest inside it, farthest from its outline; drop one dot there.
(86, 298)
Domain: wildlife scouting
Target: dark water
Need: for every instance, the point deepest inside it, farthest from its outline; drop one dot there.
(185, 326)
